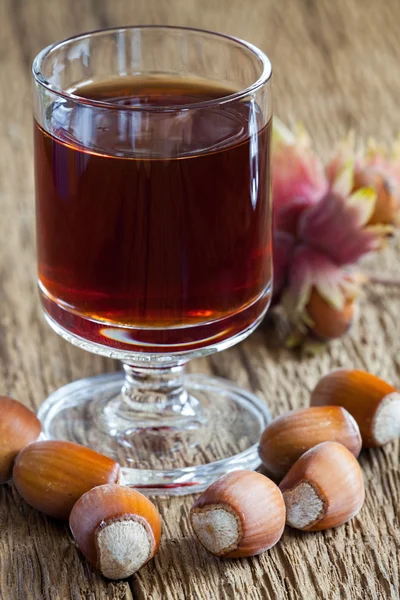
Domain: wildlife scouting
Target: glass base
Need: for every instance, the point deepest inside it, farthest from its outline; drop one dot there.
(215, 430)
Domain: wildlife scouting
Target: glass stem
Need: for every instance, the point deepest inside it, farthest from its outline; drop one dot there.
(155, 391)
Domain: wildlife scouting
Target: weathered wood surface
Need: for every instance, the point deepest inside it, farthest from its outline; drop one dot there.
(336, 66)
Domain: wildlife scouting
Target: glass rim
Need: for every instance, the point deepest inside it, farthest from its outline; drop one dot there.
(256, 85)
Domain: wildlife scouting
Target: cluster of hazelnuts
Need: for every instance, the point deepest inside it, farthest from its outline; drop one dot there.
(312, 451)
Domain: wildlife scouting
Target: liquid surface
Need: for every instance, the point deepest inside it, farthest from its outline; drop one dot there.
(156, 219)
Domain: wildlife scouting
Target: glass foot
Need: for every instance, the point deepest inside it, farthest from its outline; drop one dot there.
(216, 430)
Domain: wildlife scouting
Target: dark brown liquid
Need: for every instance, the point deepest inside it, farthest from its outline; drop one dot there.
(156, 220)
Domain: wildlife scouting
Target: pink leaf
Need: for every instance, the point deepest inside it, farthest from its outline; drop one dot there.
(311, 271)
(283, 248)
(297, 172)
(288, 217)
(335, 226)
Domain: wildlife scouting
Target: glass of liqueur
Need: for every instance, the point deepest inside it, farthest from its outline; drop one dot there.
(154, 243)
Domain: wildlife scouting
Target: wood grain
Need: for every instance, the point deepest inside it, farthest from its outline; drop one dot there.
(336, 66)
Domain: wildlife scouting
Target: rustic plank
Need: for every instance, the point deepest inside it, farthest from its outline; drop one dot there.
(336, 66)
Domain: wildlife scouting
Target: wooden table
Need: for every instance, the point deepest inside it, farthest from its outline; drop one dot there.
(337, 66)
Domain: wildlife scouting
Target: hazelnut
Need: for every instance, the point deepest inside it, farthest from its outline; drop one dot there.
(373, 403)
(117, 529)
(240, 514)
(19, 426)
(52, 475)
(287, 437)
(323, 489)
(329, 323)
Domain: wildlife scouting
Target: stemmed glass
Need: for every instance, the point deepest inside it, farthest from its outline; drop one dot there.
(154, 244)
